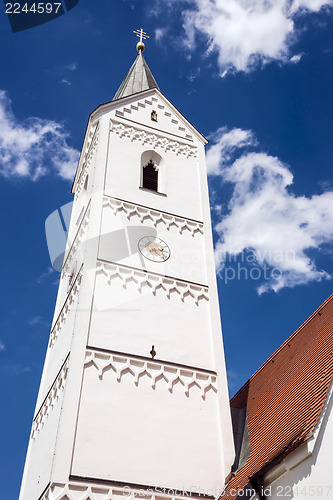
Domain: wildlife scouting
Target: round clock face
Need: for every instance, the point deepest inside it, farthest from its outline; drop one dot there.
(154, 248)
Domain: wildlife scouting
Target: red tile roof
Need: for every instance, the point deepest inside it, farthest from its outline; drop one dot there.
(285, 396)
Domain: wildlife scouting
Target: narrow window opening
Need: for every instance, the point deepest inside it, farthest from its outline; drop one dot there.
(85, 187)
(150, 177)
(153, 116)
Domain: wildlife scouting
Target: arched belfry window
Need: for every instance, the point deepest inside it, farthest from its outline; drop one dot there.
(150, 176)
(152, 172)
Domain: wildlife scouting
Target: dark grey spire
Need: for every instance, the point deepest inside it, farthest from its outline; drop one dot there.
(138, 78)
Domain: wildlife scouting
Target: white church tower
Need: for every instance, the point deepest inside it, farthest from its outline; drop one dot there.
(133, 400)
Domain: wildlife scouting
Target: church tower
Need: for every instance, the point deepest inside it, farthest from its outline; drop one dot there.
(133, 400)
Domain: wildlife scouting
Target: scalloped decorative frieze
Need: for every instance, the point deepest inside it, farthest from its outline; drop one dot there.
(77, 240)
(87, 159)
(153, 140)
(145, 214)
(50, 400)
(87, 491)
(65, 308)
(154, 282)
(158, 372)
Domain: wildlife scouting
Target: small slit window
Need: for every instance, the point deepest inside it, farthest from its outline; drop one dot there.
(150, 176)
(85, 187)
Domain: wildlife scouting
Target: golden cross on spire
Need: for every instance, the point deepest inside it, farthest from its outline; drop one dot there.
(143, 35)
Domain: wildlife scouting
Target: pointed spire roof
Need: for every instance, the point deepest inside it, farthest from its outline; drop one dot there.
(138, 78)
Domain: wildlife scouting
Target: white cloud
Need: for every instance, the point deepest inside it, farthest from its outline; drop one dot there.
(160, 33)
(264, 216)
(226, 142)
(45, 275)
(14, 369)
(245, 33)
(309, 5)
(72, 67)
(193, 75)
(34, 147)
(296, 58)
(66, 82)
(2, 346)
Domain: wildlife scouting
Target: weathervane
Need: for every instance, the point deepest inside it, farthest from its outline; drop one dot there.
(140, 45)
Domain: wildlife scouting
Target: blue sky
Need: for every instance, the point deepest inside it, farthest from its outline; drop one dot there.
(255, 78)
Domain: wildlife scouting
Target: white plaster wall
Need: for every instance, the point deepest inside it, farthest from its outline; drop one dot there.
(147, 436)
(119, 243)
(37, 472)
(135, 321)
(56, 355)
(78, 206)
(66, 310)
(181, 186)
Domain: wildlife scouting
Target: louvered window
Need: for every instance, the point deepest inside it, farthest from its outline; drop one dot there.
(150, 176)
